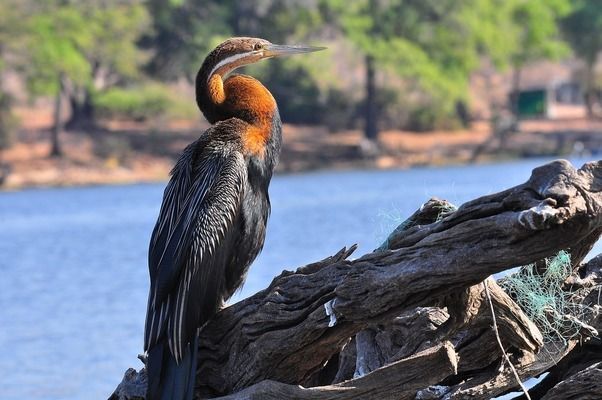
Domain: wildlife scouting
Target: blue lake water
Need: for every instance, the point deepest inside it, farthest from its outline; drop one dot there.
(73, 273)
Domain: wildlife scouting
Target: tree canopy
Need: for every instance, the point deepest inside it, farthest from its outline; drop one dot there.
(582, 29)
(416, 56)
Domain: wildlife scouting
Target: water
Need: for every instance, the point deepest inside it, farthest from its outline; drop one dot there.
(73, 275)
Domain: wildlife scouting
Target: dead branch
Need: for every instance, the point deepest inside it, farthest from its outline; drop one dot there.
(298, 330)
(584, 385)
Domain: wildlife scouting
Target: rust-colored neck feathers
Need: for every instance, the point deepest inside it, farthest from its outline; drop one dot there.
(238, 96)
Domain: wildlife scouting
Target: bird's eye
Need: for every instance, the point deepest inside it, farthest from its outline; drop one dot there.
(258, 46)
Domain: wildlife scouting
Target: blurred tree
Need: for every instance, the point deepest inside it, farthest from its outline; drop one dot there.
(537, 35)
(437, 44)
(184, 31)
(12, 32)
(53, 55)
(115, 27)
(583, 29)
(428, 42)
(77, 47)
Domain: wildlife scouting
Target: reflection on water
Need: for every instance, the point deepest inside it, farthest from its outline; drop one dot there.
(73, 269)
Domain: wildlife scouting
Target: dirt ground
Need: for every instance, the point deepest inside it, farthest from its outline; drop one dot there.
(127, 152)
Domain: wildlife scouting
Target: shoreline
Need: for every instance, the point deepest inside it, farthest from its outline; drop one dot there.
(350, 168)
(125, 155)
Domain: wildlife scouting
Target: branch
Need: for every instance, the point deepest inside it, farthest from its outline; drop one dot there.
(283, 332)
(295, 329)
(397, 381)
(584, 385)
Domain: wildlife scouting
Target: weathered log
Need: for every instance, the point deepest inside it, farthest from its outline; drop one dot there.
(283, 335)
(584, 385)
(397, 381)
(475, 342)
(560, 358)
(586, 352)
(132, 386)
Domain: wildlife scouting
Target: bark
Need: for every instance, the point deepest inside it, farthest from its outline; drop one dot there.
(82, 110)
(56, 149)
(584, 385)
(411, 320)
(589, 92)
(515, 93)
(371, 127)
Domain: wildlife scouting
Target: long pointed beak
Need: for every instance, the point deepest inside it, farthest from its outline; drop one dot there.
(276, 50)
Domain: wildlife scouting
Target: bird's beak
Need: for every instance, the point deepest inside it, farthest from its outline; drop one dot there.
(277, 50)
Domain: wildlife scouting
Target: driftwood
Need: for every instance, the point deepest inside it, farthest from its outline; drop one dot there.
(411, 320)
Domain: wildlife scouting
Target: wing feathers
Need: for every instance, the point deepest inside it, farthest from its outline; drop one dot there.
(199, 206)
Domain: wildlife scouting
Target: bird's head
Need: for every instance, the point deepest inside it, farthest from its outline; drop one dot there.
(240, 51)
(219, 97)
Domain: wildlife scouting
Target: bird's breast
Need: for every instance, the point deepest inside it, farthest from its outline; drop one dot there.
(251, 228)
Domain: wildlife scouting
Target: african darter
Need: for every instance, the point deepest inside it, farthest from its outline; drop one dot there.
(214, 212)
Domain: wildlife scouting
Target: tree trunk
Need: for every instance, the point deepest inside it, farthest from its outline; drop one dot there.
(82, 110)
(56, 149)
(589, 92)
(422, 304)
(371, 117)
(515, 94)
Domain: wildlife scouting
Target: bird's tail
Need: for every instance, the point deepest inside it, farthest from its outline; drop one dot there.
(168, 380)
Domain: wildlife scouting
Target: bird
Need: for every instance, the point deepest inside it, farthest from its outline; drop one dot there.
(213, 216)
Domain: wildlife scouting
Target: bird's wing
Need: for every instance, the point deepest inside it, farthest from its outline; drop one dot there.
(198, 209)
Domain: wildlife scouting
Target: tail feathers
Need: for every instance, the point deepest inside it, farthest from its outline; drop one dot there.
(168, 380)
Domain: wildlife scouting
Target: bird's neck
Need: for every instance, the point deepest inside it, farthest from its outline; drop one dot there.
(239, 96)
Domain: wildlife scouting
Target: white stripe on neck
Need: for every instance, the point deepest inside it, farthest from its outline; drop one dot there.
(226, 61)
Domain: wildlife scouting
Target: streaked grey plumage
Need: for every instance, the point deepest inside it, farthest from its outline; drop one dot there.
(188, 248)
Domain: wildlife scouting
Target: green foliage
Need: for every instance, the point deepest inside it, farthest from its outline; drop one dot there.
(423, 42)
(53, 45)
(83, 42)
(428, 117)
(12, 29)
(536, 30)
(426, 49)
(183, 32)
(298, 103)
(583, 29)
(116, 28)
(436, 44)
(142, 103)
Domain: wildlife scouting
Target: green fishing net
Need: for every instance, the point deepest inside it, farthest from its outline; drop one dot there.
(541, 296)
(394, 220)
(445, 210)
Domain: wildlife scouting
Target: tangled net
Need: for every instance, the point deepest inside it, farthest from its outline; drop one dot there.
(556, 312)
(540, 292)
(445, 210)
(394, 220)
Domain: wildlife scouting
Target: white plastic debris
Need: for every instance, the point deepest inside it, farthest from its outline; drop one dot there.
(328, 307)
(527, 217)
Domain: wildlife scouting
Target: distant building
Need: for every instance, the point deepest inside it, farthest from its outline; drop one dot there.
(549, 90)
(546, 90)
